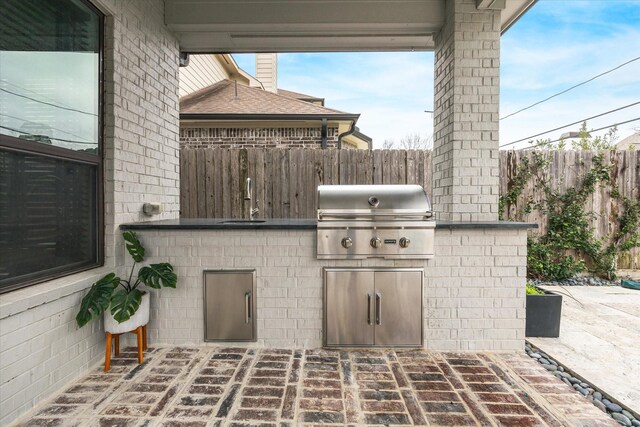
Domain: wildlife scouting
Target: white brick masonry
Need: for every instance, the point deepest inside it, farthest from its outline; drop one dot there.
(41, 348)
(474, 289)
(141, 116)
(466, 100)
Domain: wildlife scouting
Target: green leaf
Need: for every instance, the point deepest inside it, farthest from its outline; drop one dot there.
(158, 275)
(124, 304)
(135, 248)
(97, 299)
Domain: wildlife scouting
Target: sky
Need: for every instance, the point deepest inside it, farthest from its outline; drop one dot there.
(555, 45)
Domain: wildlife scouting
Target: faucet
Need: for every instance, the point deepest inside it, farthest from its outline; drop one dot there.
(248, 190)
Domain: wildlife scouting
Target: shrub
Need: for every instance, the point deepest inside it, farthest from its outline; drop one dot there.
(533, 290)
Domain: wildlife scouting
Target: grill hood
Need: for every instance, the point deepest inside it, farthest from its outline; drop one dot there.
(354, 201)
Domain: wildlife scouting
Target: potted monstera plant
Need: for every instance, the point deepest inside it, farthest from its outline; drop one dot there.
(124, 306)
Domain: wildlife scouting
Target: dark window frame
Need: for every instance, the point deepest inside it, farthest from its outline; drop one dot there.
(11, 143)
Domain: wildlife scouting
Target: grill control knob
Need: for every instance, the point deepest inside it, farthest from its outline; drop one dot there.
(376, 242)
(405, 242)
(347, 242)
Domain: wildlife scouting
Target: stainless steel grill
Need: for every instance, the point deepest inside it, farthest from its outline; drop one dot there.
(374, 221)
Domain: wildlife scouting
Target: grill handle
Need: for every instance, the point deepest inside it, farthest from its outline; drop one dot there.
(355, 215)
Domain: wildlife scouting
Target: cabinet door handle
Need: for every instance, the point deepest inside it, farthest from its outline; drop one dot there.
(247, 307)
(369, 308)
(378, 308)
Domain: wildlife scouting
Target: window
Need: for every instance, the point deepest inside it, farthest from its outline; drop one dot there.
(50, 140)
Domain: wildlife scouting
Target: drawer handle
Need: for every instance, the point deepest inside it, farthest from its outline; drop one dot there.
(247, 307)
(369, 308)
(378, 308)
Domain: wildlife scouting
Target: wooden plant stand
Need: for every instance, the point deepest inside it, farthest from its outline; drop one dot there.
(141, 334)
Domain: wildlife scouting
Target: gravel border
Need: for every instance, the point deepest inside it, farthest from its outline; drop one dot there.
(576, 281)
(601, 401)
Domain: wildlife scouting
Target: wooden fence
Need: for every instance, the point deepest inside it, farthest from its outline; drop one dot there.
(284, 181)
(566, 170)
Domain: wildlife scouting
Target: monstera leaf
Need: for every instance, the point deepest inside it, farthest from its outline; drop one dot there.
(124, 304)
(158, 275)
(97, 299)
(135, 248)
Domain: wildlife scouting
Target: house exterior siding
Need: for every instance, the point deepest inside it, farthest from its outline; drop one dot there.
(41, 348)
(260, 137)
(267, 70)
(203, 71)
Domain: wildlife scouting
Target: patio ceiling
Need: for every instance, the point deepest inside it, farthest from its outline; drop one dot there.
(220, 26)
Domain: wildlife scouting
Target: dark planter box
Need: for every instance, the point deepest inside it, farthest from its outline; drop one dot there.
(543, 315)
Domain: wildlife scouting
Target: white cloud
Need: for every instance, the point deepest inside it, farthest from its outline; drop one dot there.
(391, 91)
(560, 45)
(548, 61)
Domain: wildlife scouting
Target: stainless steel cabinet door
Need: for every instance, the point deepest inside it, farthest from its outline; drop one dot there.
(229, 305)
(398, 310)
(349, 307)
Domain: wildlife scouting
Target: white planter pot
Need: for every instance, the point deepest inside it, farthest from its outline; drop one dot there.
(139, 318)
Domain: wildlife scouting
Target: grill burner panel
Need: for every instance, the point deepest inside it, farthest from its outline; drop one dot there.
(420, 243)
(374, 221)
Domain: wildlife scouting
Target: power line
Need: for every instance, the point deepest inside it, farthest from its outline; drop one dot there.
(571, 124)
(48, 103)
(592, 130)
(41, 95)
(55, 139)
(51, 127)
(571, 88)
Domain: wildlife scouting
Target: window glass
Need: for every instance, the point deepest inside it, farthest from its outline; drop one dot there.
(47, 216)
(50, 157)
(49, 72)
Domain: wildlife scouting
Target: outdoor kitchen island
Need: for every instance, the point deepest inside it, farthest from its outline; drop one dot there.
(473, 289)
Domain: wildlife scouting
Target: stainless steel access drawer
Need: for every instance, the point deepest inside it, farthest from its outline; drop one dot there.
(229, 305)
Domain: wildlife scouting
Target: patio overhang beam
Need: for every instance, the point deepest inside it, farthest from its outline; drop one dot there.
(204, 26)
(200, 42)
(223, 26)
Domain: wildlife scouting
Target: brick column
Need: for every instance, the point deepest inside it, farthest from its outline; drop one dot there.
(466, 92)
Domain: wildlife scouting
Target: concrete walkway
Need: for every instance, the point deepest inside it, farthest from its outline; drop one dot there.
(600, 339)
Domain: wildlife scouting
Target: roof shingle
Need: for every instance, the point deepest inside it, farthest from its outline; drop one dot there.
(300, 96)
(228, 97)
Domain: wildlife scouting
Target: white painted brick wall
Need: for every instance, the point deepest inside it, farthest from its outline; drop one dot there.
(41, 349)
(142, 116)
(474, 292)
(466, 100)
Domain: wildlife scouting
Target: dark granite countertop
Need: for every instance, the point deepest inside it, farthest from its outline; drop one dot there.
(291, 224)
(453, 225)
(223, 224)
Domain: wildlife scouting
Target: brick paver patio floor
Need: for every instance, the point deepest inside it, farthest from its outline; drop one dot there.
(226, 386)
